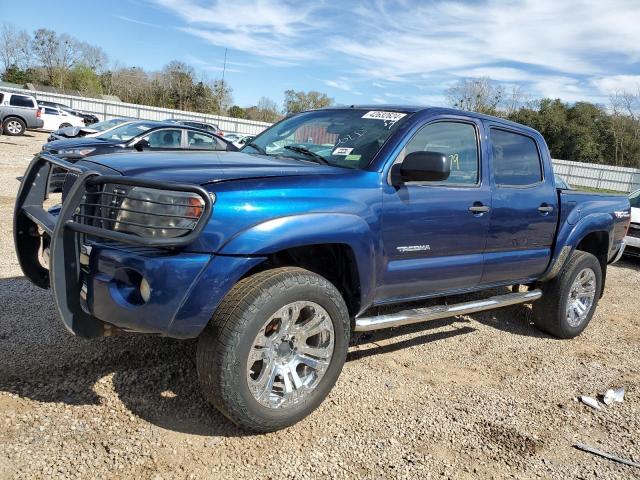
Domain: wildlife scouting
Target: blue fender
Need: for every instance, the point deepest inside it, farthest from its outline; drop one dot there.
(302, 230)
(571, 234)
(594, 222)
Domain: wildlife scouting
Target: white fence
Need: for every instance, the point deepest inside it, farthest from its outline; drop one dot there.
(106, 109)
(578, 174)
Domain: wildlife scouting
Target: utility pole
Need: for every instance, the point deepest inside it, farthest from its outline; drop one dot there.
(224, 65)
(222, 85)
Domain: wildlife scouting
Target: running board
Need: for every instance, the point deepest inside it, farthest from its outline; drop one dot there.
(417, 315)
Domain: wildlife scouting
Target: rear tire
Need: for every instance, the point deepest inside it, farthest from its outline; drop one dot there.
(64, 125)
(13, 126)
(569, 300)
(259, 361)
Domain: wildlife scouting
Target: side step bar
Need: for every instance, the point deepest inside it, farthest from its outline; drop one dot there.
(417, 315)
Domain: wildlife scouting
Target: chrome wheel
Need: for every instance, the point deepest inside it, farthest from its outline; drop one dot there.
(581, 297)
(14, 127)
(290, 354)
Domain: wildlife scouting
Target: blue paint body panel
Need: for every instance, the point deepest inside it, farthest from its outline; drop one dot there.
(265, 205)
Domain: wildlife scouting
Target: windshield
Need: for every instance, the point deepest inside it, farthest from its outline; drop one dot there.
(634, 199)
(107, 124)
(345, 138)
(125, 132)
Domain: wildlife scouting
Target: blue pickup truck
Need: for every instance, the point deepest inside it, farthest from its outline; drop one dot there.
(274, 255)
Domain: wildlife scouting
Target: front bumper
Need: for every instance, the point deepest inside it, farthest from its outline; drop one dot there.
(185, 287)
(96, 274)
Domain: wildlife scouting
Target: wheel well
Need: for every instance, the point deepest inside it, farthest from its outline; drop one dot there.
(335, 262)
(8, 117)
(597, 244)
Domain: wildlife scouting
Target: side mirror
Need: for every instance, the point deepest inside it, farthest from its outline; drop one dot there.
(425, 167)
(141, 144)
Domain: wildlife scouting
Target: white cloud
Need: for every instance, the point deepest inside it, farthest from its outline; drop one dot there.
(339, 84)
(271, 29)
(575, 50)
(618, 83)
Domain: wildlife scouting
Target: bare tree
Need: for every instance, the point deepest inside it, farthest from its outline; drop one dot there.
(625, 123)
(14, 47)
(514, 99)
(481, 95)
(267, 110)
(92, 56)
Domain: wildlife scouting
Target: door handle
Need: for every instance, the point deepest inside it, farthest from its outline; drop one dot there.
(544, 208)
(478, 208)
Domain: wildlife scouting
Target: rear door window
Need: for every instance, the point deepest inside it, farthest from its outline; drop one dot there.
(516, 160)
(21, 101)
(50, 111)
(202, 141)
(169, 138)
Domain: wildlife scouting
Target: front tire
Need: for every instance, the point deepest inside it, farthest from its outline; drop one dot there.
(569, 300)
(274, 348)
(14, 126)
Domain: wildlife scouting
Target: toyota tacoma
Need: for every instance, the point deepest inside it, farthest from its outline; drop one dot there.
(273, 256)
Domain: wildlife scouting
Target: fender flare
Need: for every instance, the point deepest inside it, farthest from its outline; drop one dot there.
(302, 230)
(570, 236)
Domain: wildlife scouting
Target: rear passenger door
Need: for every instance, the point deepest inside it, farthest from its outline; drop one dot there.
(524, 209)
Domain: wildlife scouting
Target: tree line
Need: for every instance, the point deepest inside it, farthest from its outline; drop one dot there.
(45, 57)
(580, 131)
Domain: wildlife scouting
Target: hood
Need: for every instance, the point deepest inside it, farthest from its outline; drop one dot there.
(207, 167)
(77, 142)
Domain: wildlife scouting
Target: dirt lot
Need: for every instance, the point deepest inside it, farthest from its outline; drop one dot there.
(483, 396)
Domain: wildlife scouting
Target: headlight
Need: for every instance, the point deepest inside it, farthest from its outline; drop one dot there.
(76, 152)
(153, 213)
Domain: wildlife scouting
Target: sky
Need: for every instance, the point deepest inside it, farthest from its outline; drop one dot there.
(362, 52)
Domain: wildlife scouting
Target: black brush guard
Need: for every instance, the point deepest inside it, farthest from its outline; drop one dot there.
(66, 234)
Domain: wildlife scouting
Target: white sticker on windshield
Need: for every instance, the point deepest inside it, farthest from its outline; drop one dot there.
(389, 118)
(342, 151)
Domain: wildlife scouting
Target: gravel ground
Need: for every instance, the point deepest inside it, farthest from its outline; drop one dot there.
(482, 396)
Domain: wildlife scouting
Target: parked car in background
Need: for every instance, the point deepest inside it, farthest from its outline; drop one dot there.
(273, 256)
(233, 136)
(209, 127)
(18, 113)
(92, 130)
(55, 118)
(89, 118)
(633, 235)
(239, 139)
(242, 141)
(139, 136)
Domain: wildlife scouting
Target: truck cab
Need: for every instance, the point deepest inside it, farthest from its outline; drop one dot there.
(273, 256)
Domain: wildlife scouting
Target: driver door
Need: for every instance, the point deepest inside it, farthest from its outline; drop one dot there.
(434, 233)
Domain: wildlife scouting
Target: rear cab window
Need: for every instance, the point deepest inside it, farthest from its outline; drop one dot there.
(21, 101)
(516, 158)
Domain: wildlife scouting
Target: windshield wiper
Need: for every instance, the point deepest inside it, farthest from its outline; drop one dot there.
(257, 147)
(305, 151)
